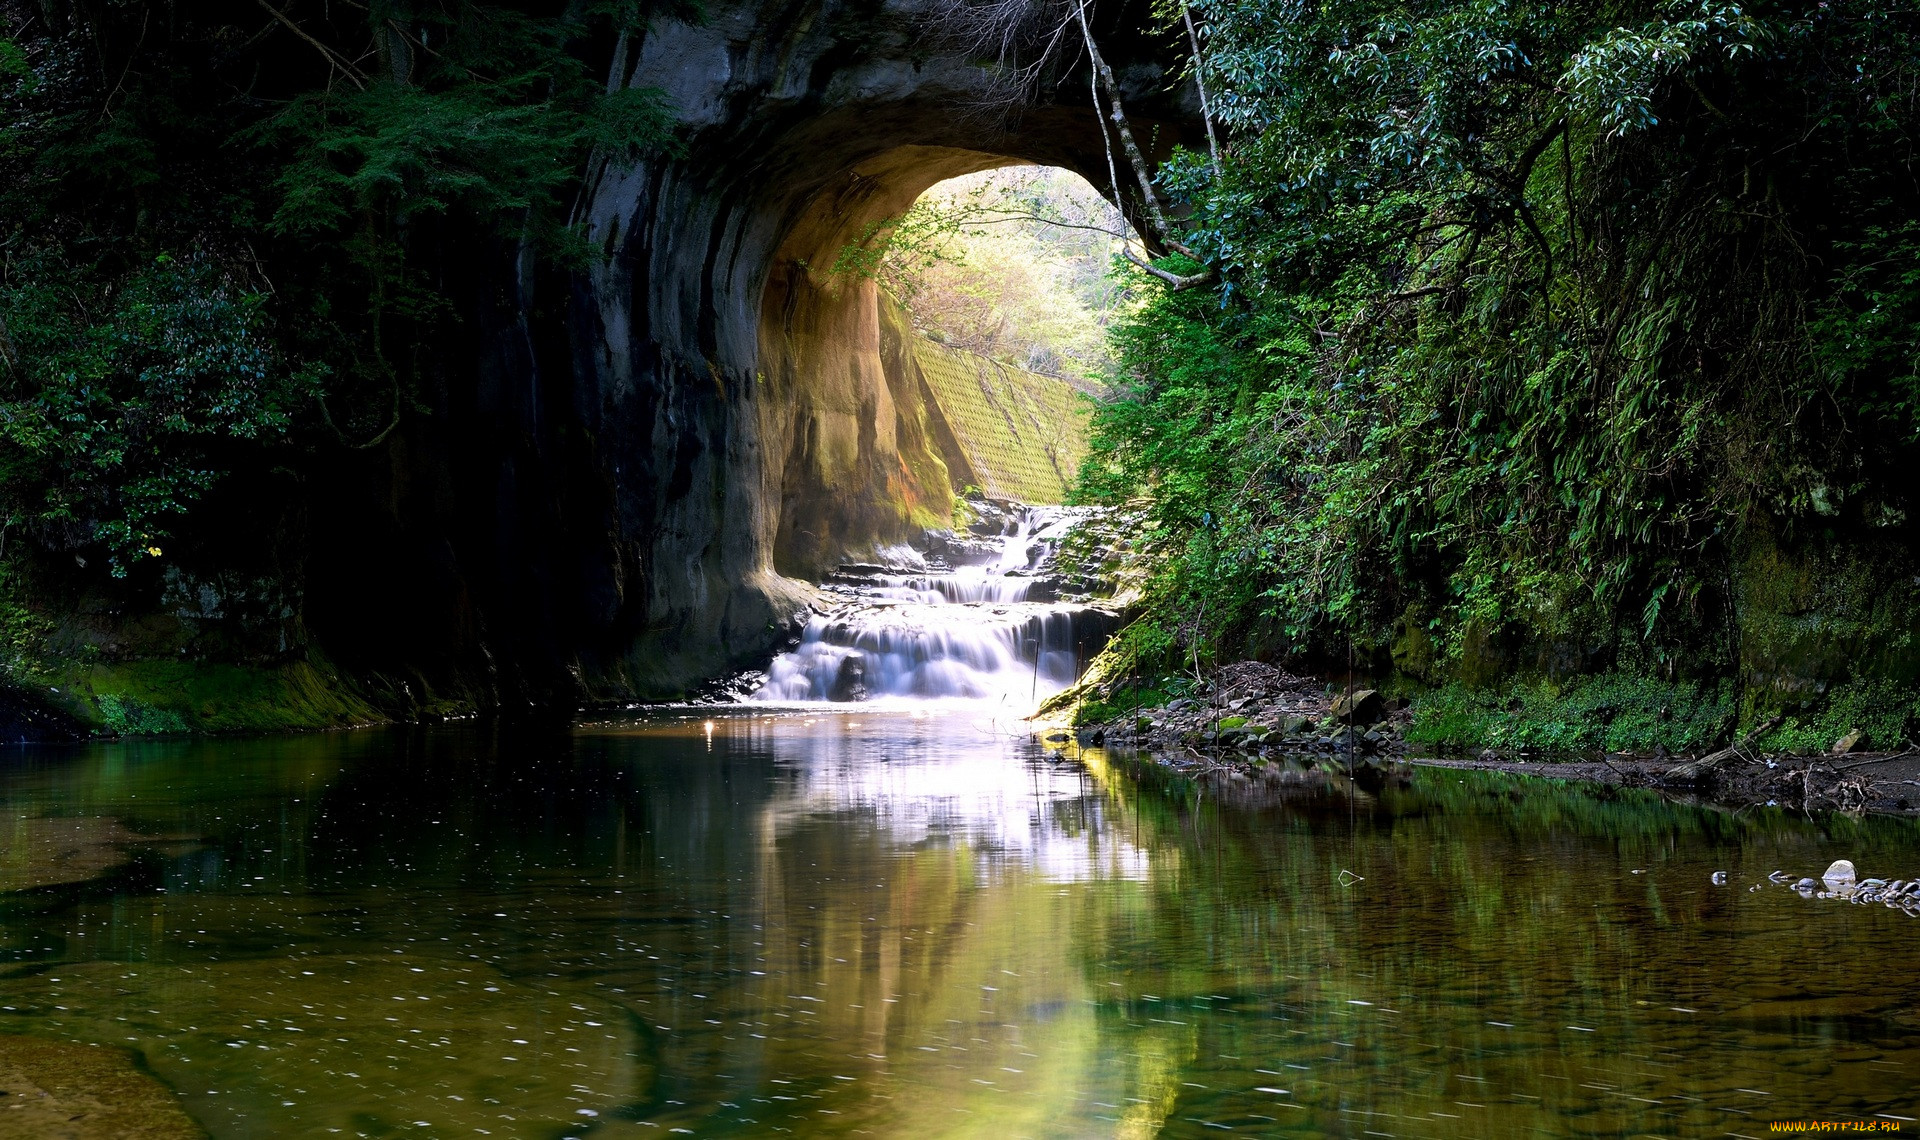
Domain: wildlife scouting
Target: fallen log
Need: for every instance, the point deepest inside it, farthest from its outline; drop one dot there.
(1695, 771)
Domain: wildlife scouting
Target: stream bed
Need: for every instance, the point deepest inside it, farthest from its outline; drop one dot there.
(857, 921)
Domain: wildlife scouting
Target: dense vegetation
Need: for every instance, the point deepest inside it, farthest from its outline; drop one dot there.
(153, 159)
(230, 236)
(1542, 341)
(1563, 356)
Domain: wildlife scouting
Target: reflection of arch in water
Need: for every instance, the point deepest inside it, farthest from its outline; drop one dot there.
(937, 905)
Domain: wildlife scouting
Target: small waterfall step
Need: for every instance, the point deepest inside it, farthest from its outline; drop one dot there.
(976, 621)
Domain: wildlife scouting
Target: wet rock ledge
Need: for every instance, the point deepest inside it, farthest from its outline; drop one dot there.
(1253, 710)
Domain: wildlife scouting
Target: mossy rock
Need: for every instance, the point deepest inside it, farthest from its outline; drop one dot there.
(1822, 615)
(157, 698)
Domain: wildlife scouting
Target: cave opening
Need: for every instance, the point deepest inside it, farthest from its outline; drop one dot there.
(937, 340)
(934, 324)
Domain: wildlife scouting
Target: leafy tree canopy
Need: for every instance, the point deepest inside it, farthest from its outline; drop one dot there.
(1528, 318)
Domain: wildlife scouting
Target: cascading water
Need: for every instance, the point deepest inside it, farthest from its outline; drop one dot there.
(980, 632)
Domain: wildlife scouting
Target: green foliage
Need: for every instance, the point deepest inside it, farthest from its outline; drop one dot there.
(152, 169)
(494, 124)
(1887, 714)
(1525, 313)
(125, 716)
(126, 396)
(1010, 263)
(1613, 712)
(22, 629)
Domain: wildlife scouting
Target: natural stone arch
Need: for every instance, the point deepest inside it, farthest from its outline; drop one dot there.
(716, 413)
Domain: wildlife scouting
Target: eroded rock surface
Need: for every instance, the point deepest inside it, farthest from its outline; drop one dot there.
(626, 501)
(54, 1090)
(52, 851)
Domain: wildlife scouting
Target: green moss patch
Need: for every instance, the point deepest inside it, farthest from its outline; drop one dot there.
(1615, 712)
(146, 698)
(1885, 713)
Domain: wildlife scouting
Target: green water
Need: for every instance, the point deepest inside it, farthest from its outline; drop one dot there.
(892, 925)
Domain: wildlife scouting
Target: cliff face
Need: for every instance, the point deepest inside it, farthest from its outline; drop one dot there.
(620, 488)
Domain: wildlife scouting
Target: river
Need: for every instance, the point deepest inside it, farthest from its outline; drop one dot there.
(820, 922)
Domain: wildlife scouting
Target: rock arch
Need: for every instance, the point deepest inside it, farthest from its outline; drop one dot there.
(718, 412)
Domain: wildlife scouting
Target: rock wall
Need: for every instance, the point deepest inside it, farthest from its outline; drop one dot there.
(748, 415)
(613, 479)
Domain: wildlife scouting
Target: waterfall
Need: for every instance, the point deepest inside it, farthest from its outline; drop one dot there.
(967, 632)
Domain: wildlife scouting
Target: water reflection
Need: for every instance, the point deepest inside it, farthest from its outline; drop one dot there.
(881, 924)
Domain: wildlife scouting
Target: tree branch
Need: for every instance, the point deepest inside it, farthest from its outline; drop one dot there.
(1206, 112)
(1174, 281)
(392, 423)
(9, 351)
(1119, 116)
(333, 58)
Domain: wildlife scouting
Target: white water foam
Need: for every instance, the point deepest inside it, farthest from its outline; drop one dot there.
(966, 634)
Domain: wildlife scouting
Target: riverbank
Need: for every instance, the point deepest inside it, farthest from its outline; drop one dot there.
(1255, 717)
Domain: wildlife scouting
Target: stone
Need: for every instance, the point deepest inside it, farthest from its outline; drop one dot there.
(79, 1092)
(1057, 738)
(1362, 706)
(1848, 743)
(850, 681)
(1838, 874)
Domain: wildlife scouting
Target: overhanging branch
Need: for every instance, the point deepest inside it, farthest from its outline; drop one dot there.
(333, 58)
(1174, 281)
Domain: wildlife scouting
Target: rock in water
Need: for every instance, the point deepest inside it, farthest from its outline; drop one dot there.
(850, 680)
(78, 1092)
(1839, 875)
(1362, 706)
(1848, 743)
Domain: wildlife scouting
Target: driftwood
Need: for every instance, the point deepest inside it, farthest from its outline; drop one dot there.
(1877, 760)
(1693, 771)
